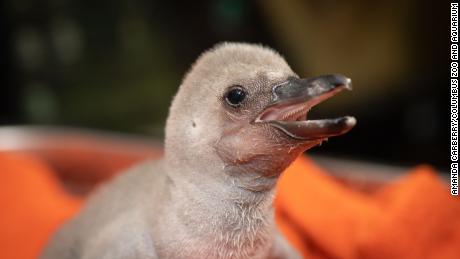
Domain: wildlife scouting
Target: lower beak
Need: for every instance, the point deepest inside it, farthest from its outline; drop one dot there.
(293, 99)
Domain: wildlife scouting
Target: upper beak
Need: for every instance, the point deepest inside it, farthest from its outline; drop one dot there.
(292, 100)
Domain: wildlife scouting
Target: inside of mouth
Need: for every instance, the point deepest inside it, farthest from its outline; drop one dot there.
(295, 112)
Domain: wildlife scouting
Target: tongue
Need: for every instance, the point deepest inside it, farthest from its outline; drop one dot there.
(315, 129)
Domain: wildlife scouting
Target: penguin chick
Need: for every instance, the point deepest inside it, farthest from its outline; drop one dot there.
(237, 121)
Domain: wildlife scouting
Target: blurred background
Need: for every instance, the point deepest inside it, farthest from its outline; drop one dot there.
(115, 65)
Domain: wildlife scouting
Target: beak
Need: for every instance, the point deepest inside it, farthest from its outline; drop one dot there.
(292, 100)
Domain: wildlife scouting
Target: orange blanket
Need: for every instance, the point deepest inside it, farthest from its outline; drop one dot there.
(414, 217)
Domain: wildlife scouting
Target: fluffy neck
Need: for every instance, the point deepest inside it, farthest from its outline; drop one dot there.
(223, 219)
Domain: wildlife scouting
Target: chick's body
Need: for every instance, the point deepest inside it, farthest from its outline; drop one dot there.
(211, 195)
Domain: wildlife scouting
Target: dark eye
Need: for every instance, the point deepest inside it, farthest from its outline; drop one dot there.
(235, 96)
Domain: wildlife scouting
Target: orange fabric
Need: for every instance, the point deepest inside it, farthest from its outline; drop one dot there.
(32, 205)
(414, 217)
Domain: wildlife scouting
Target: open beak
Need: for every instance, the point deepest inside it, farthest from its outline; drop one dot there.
(293, 99)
